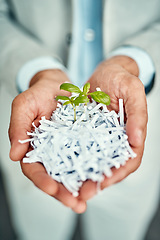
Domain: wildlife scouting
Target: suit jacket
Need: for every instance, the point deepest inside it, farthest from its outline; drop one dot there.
(32, 28)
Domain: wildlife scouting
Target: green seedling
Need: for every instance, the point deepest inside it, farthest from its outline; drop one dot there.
(82, 97)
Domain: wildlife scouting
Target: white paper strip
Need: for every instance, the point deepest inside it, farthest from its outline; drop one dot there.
(73, 152)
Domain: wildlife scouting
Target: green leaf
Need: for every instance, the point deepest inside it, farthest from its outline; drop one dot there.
(62, 98)
(70, 88)
(86, 88)
(72, 98)
(81, 99)
(100, 97)
(81, 94)
(67, 102)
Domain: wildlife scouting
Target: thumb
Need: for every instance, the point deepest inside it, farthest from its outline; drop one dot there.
(20, 122)
(137, 117)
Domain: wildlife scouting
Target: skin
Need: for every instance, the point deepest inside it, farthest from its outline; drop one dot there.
(118, 78)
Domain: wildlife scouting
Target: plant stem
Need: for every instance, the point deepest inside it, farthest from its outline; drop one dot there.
(74, 113)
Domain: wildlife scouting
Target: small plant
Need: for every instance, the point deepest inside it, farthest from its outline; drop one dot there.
(82, 97)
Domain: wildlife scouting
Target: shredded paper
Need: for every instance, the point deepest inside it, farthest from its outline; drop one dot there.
(73, 152)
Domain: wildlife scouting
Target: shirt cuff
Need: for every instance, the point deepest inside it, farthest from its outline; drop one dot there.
(143, 60)
(34, 66)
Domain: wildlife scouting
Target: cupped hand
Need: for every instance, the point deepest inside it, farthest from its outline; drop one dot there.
(28, 107)
(118, 78)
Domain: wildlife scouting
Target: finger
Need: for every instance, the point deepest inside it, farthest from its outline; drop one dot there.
(121, 173)
(81, 207)
(136, 113)
(88, 190)
(65, 197)
(37, 174)
(20, 123)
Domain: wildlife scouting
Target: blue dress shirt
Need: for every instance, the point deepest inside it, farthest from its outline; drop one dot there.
(86, 50)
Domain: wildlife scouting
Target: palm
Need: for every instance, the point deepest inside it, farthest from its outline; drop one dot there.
(118, 83)
(30, 106)
(39, 101)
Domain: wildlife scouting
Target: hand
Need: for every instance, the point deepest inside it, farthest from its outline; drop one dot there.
(118, 78)
(30, 106)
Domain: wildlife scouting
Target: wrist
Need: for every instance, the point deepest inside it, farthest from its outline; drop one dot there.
(54, 75)
(126, 62)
